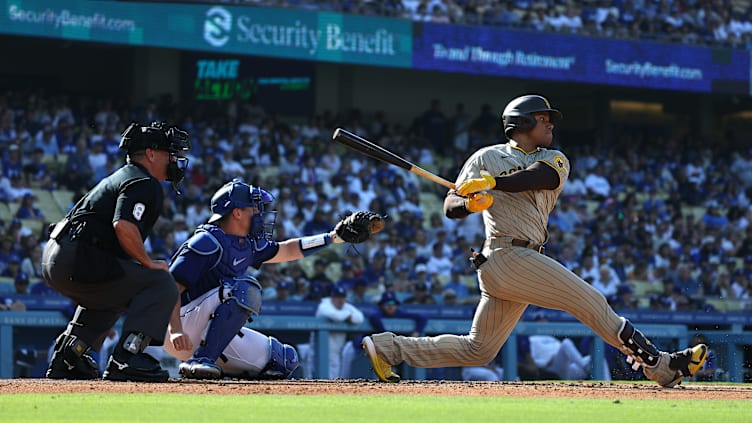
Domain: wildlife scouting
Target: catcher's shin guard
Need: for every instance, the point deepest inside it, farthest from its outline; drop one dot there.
(283, 360)
(638, 349)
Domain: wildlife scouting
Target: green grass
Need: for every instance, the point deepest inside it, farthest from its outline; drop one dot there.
(29, 408)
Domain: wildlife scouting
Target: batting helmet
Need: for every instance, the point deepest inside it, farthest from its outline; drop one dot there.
(519, 113)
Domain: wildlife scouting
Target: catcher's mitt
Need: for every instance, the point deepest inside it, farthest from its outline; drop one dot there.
(359, 226)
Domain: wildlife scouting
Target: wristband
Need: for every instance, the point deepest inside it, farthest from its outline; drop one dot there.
(312, 244)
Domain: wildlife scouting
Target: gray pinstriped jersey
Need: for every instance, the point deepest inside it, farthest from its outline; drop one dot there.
(522, 215)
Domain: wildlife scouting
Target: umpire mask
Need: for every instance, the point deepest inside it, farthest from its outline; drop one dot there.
(178, 144)
(160, 136)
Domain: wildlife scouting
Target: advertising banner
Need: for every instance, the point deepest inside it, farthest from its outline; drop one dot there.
(539, 55)
(284, 33)
(366, 40)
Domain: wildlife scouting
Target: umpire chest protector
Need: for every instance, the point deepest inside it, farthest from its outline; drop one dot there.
(233, 254)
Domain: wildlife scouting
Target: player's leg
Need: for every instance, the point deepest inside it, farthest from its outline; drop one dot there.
(493, 322)
(195, 317)
(148, 313)
(239, 300)
(71, 358)
(253, 355)
(523, 275)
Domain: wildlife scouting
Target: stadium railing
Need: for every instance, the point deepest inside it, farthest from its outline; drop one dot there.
(734, 340)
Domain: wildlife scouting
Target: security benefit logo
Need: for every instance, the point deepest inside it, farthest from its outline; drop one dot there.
(217, 26)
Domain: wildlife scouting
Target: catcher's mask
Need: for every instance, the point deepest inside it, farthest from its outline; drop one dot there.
(236, 194)
(160, 136)
(519, 113)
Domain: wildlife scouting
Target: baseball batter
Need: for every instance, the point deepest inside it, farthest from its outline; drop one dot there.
(515, 185)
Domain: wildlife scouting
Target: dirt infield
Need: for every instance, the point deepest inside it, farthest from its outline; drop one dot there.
(606, 390)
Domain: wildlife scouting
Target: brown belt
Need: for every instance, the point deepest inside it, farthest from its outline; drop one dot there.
(499, 242)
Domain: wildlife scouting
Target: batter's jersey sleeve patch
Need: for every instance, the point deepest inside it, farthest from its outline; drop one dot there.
(559, 164)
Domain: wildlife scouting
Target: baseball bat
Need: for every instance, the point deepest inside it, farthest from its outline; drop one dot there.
(374, 151)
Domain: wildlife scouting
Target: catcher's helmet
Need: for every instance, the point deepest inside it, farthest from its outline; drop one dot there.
(519, 113)
(237, 194)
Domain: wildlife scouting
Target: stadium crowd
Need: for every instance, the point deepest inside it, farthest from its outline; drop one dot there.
(725, 23)
(646, 220)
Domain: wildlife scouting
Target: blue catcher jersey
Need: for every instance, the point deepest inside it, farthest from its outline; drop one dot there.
(210, 256)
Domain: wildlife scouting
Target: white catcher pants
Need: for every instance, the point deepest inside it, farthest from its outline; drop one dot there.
(249, 353)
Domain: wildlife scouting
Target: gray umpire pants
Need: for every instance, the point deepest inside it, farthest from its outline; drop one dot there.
(146, 297)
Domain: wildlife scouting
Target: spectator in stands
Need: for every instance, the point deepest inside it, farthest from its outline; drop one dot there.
(13, 267)
(597, 184)
(28, 209)
(419, 295)
(41, 288)
(375, 271)
(77, 171)
(335, 308)
(685, 282)
(740, 285)
(163, 246)
(282, 291)
(32, 263)
(439, 262)
(46, 141)
(37, 173)
(12, 164)
(359, 295)
(552, 356)
(21, 284)
(180, 229)
(319, 276)
(97, 158)
(624, 300)
(458, 288)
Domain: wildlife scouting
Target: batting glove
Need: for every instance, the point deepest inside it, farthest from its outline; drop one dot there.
(478, 202)
(485, 183)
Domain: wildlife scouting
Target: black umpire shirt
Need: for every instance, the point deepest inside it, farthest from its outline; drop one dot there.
(131, 193)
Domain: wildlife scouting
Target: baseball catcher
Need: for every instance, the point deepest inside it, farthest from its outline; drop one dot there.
(218, 295)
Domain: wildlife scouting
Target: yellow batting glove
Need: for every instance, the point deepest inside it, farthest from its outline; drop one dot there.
(485, 183)
(478, 201)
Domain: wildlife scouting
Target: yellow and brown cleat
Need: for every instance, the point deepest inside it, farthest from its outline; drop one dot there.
(674, 367)
(382, 369)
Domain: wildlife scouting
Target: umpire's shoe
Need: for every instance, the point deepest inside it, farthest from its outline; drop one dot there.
(200, 368)
(674, 367)
(139, 367)
(382, 369)
(71, 360)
